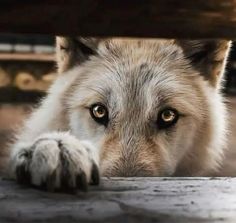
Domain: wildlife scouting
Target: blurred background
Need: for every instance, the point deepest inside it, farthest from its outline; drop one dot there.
(27, 68)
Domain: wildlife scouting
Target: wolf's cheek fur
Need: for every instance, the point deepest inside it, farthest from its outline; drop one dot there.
(85, 128)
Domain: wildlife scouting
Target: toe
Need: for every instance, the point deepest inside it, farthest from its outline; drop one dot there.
(81, 182)
(22, 174)
(95, 175)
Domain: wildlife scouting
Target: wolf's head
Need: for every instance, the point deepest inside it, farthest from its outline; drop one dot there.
(152, 107)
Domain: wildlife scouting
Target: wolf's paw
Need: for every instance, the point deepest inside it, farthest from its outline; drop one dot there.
(56, 161)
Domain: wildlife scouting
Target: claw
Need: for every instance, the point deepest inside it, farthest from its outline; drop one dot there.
(23, 175)
(81, 182)
(51, 182)
(95, 175)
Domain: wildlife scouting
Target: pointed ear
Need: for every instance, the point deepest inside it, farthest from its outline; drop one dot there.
(72, 51)
(207, 56)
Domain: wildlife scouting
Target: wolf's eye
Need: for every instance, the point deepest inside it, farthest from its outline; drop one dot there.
(167, 118)
(99, 113)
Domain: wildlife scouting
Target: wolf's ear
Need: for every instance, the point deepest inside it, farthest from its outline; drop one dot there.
(72, 51)
(207, 56)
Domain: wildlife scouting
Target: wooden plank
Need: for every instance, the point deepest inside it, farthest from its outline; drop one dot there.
(27, 57)
(139, 18)
(125, 200)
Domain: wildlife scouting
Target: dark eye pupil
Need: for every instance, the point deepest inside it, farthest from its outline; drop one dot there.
(99, 113)
(167, 118)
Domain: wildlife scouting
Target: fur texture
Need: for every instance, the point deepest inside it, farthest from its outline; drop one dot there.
(62, 146)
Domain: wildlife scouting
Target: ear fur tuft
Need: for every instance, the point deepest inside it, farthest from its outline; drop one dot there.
(207, 56)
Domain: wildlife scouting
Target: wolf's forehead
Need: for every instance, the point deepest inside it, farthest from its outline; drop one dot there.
(140, 60)
(140, 85)
(140, 49)
(140, 73)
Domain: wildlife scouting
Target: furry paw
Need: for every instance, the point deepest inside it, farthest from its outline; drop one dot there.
(56, 161)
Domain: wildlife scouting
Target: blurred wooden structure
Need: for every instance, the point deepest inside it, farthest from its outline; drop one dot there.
(25, 80)
(27, 67)
(149, 18)
(26, 57)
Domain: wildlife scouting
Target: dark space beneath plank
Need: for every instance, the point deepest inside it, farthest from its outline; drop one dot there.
(15, 95)
(149, 18)
(125, 200)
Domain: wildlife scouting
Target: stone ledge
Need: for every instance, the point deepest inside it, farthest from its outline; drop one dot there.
(125, 200)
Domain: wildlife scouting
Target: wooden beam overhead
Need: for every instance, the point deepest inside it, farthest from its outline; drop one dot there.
(132, 18)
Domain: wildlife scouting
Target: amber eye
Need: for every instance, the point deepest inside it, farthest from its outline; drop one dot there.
(99, 113)
(167, 118)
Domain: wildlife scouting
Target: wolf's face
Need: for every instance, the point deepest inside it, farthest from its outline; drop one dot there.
(149, 106)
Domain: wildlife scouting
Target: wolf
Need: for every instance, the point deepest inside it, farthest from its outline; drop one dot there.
(125, 107)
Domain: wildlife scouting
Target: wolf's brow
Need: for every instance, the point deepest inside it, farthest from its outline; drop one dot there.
(102, 92)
